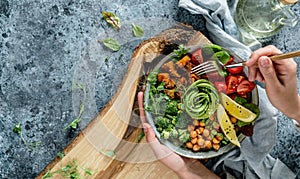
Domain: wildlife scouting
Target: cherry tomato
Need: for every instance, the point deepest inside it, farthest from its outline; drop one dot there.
(240, 78)
(213, 77)
(221, 86)
(235, 70)
(229, 61)
(197, 57)
(245, 87)
(232, 84)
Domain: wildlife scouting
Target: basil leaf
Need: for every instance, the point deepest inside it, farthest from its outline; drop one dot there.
(112, 19)
(138, 31)
(112, 44)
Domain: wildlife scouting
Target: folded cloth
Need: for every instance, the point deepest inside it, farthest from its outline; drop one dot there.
(252, 160)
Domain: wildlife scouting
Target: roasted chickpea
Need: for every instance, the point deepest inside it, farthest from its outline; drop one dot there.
(207, 144)
(196, 148)
(233, 119)
(190, 128)
(201, 123)
(189, 145)
(193, 134)
(194, 140)
(200, 141)
(196, 123)
(216, 146)
(215, 140)
(206, 132)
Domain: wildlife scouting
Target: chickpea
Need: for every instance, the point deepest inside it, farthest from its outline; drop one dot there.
(190, 128)
(206, 132)
(193, 134)
(207, 144)
(216, 146)
(201, 129)
(200, 141)
(189, 145)
(202, 124)
(196, 148)
(233, 119)
(194, 140)
(216, 126)
(215, 140)
(219, 137)
(196, 123)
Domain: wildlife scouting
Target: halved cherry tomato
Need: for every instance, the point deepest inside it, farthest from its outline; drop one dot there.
(235, 70)
(240, 78)
(213, 77)
(229, 61)
(245, 87)
(232, 84)
(221, 86)
(197, 57)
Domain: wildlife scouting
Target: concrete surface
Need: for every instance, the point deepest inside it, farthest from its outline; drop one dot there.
(43, 50)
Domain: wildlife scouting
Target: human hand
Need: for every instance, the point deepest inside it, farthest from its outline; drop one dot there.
(280, 78)
(183, 167)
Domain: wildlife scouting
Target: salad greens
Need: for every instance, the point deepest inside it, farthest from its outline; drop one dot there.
(166, 115)
(112, 19)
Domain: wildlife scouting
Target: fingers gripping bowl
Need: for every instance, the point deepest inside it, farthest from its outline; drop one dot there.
(200, 116)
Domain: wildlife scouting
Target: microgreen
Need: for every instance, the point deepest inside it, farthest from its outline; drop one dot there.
(179, 53)
(140, 137)
(75, 122)
(112, 44)
(109, 153)
(138, 31)
(112, 19)
(29, 145)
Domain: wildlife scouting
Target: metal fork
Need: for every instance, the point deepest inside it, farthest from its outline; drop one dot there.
(215, 65)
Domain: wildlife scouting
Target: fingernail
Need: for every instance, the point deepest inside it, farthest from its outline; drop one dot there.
(264, 62)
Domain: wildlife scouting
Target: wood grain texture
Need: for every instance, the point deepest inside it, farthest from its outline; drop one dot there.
(116, 128)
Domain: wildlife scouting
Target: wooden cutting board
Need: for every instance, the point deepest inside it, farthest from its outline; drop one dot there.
(116, 128)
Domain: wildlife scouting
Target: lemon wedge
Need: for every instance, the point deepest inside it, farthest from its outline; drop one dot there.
(226, 126)
(236, 110)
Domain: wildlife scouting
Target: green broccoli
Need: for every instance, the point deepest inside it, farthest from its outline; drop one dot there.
(152, 77)
(162, 122)
(172, 108)
(184, 136)
(170, 133)
(182, 120)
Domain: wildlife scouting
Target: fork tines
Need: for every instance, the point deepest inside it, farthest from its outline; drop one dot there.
(205, 67)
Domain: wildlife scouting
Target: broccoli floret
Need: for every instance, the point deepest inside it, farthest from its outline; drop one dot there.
(172, 108)
(170, 133)
(162, 122)
(184, 136)
(152, 77)
(182, 120)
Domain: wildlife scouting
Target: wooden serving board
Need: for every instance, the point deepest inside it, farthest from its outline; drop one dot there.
(117, 127)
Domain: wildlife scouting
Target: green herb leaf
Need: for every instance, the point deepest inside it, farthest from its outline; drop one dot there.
(109, 153)
(17, 128)
(138, 31)
(112, 44)
(179, 53)
(60, 155)
(48, 174)
(140, 137)
(88, 172)
(112, 19)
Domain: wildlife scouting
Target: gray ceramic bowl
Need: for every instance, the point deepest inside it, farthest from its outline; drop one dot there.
(183, 151)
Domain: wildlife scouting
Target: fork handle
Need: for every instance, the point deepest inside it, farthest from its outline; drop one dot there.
(273, 58)
(286, 55)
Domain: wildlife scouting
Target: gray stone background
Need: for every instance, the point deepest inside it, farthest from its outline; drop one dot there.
(46, 45)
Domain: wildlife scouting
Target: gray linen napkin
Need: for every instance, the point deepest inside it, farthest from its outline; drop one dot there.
(252, 160)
